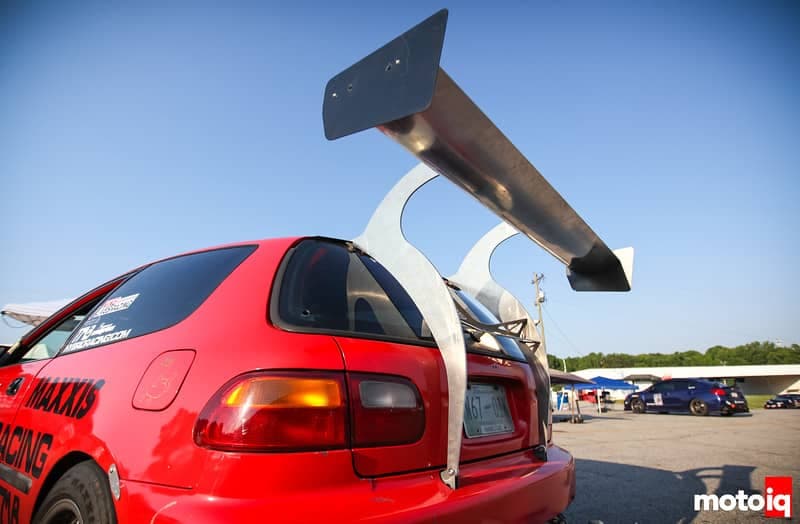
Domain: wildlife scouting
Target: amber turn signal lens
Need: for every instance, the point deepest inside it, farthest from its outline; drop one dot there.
(285, 392)
(276, 411)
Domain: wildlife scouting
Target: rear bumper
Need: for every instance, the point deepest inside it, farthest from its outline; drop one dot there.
(514, 488)
(727, 406)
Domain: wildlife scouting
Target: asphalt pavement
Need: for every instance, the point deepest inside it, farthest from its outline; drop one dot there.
(647, 468)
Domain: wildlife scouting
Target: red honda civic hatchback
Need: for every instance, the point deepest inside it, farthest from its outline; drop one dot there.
(312, 379)
(289, 379)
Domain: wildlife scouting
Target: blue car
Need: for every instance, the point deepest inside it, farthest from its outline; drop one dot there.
(696, 396)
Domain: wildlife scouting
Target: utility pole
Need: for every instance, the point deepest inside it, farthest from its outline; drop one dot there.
(539, 299)
(573, 404)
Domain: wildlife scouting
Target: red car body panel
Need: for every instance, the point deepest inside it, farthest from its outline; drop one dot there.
(166, 477)
(423, 365)
(514, 488)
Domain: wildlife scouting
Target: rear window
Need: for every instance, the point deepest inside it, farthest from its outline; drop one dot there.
(495, 345)
(328, 287)
(157, 297)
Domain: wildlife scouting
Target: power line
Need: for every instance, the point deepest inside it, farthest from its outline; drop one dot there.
(561, 332)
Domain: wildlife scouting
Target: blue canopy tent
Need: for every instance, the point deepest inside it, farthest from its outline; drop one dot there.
(605, 383)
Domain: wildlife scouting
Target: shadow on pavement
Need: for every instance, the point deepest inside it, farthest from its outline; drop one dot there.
(590, 418)
(613, 492)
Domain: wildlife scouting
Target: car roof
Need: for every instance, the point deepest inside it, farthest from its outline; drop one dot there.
(57, 316)
(259, 243)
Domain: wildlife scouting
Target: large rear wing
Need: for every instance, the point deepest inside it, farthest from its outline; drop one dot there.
(402, 90)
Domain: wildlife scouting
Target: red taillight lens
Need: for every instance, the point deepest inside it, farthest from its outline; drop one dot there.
(276, 412)
(385, 411)
(718, 392)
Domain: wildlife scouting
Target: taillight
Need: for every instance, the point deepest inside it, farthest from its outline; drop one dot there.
(280, 411)
(385, 410)
(718, 392)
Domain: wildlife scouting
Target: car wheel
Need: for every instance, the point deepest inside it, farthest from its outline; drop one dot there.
(637, 406)
(82, 495)
(698, 407)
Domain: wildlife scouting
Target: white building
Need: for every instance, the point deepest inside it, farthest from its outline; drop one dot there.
(753, 380)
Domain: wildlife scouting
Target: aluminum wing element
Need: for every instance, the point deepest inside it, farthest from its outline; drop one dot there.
(475, 276)
(33, 313)
(401, 90)
(383, 239)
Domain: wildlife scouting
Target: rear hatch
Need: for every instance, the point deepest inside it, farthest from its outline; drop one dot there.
(500, 413)
(735, 395)
(395, 375)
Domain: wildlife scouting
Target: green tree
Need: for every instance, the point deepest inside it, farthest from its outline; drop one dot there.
(752, 353)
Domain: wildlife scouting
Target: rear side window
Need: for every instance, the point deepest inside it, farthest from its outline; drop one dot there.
(664, 387)
(157, 297)
(328, 287)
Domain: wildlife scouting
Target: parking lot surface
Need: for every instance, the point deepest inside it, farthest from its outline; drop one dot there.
(647, 468)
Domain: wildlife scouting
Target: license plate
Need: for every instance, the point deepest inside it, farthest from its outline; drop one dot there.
(734, 394)
(738, 401)
(486, 411)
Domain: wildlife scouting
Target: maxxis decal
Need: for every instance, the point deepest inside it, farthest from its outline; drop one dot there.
(70, 397)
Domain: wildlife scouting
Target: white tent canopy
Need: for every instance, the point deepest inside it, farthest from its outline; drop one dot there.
(33, 313)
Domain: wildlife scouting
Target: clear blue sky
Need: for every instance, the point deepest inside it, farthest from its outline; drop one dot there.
(133, 133)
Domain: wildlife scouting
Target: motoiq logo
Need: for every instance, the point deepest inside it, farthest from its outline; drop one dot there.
(776, 501)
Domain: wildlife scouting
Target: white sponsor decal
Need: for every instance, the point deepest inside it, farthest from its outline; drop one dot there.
(657, 400)
(95, 335)
(115, 304)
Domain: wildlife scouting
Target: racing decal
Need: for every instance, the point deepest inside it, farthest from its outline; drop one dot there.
(657, 400)
(94, 335)
(115, 304)
(25, 450)
(14, 478)
(9, 507)
(71, 397)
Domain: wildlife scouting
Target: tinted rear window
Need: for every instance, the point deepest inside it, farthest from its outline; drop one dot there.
(508, 347)
(157, 297)
(328, 287)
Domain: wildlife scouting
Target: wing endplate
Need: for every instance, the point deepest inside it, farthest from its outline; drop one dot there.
(384, 240)
(474, 275)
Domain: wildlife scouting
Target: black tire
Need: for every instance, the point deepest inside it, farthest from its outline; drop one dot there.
(698, 408)
(637, 406)
(82, 495)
